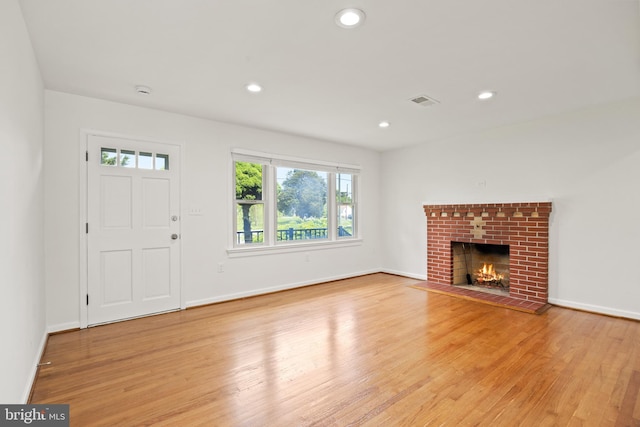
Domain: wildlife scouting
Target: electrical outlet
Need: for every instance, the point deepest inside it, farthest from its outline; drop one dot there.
(195, 211)
(220, 267)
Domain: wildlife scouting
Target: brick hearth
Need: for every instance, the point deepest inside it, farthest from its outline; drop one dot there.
(522, 226)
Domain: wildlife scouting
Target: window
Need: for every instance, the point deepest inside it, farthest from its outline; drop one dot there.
(145, 160)
(301, 204)
(131, 159)
(249, 183)
(281, 201)
(127, 159)
(109, 156)
(162, 162)
(345, 203)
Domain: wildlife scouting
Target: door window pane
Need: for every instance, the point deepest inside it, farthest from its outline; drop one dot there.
(162, 162)
(127, 158)
(108, 156)
(145, 160)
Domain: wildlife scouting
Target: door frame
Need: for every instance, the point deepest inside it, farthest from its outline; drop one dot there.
(84, 212)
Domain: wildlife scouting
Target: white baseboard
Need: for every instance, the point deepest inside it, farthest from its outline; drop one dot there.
(595, 309)
(256, 292)
(405, 274)
(63, 327)
(34, 370)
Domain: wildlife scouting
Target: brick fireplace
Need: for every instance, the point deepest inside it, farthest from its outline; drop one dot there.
(524, 227)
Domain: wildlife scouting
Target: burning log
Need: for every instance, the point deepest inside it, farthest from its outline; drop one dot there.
(487, 275)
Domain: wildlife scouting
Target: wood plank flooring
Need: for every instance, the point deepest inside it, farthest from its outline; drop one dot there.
(364, 351)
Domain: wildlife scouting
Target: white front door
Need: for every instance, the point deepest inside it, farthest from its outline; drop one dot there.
(133, 230)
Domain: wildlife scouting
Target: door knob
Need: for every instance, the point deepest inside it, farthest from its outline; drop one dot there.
(174, 236)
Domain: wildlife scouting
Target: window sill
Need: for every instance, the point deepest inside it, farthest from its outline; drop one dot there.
(290, 247)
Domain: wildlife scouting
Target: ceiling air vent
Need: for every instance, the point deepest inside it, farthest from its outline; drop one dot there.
(424, 100)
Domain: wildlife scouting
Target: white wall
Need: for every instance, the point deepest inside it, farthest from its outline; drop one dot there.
(206, 185)
(22, 306)
(586, 162)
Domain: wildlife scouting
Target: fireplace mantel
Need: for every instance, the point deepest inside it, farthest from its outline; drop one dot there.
(522, 226)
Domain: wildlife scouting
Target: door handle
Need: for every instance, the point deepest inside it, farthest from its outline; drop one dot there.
(174, 236)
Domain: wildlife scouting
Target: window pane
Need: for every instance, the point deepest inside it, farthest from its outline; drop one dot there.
(127, 159)
(109, 156)
(345, 220)
(344, 202)
(145, 160)
(248, 181)
(301, 204)
(344, 187)
(249, 223)
(162, 162)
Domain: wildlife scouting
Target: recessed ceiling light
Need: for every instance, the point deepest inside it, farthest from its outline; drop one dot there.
(143, 90)
(486, 95)
(254, 88)
(350, 18)
(384, 124)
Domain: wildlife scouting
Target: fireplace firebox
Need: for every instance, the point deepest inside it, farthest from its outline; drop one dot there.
(481, 267)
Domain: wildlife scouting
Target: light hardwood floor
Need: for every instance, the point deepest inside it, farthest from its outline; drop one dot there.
(364, 351)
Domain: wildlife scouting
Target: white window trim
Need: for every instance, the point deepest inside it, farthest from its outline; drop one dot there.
(270, 246)
(238, 252)
(295, 162)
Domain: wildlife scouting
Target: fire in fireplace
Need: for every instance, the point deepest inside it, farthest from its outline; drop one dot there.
(487, 275)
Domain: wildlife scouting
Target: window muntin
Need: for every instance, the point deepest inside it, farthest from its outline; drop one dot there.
(292, 201)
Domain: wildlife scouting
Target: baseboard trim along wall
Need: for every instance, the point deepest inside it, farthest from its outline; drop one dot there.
(405, 274)
(596, 309)
(34, 370)
(63, 327)
(269, 290)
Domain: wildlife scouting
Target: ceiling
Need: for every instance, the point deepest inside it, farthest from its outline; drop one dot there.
(542, 57)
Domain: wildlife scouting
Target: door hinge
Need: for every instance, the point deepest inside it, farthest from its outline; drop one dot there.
(87, 299)
(87, 228)
(86, 157)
